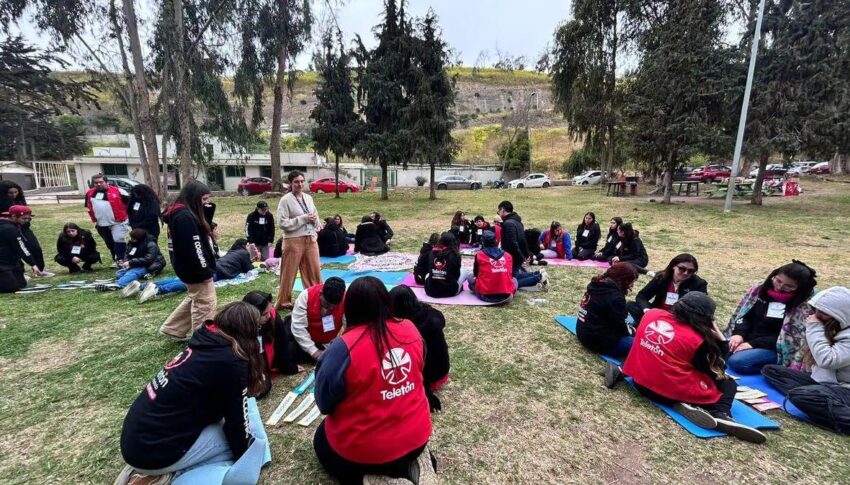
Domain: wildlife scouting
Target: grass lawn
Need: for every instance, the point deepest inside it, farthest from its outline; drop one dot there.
(525, 404)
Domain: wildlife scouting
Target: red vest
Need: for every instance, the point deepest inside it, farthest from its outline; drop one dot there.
(494, 275)
(660, 360)
(385, 413)
(559, 245)
(498, 229)
(113, 195)
(314, 316)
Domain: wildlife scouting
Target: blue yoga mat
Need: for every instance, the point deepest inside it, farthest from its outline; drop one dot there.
(344, 259)
(246, 470)
(740, 411)
(759, 382)
(390, 279)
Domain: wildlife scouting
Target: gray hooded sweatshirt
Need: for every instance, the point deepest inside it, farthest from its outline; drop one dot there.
(832, 360)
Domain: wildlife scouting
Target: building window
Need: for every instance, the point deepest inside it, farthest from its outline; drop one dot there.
(114, 169)
(234, 171)
(265, 172)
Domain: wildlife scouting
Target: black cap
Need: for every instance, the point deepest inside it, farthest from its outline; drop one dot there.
(262, 205)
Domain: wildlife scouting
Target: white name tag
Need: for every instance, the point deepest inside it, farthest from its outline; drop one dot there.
(98, 196)
(132, 251)
(672, 298)
(328, 323)
(76, 249)
(136, 206)
(309, 227)
(585, 233)
(260, 339)
(619, 245)
(609, 238)
(261, 220)
(480, 232)
(461, 228)
(775, 310)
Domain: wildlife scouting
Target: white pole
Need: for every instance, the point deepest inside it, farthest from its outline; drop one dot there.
(742, 123)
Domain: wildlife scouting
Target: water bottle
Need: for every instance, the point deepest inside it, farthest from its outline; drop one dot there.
(537, 301)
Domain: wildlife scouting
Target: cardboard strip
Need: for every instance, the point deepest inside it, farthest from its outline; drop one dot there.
(305, 405)
(310, 417)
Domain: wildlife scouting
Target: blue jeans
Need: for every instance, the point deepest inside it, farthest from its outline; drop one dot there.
(527, 279)
(210, 447)
(750, 361)
(624, 345)
(129, 275)
(173, 284)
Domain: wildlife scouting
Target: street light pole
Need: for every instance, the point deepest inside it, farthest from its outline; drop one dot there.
(742, 123)
(528, 127)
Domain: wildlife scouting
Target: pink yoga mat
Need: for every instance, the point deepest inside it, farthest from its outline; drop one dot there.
(576, 262)
(411, 281)
(465, 298)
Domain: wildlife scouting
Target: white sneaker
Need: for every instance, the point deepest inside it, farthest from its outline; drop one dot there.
(544, 280)
(131, 289)
(149, 292)
(651, 274)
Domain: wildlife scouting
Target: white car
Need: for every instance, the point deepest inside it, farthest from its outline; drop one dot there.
(531, 180)
(770, 167)
(591, 177)
(799, 168)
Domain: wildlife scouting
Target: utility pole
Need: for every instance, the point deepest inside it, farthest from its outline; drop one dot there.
(528, 127)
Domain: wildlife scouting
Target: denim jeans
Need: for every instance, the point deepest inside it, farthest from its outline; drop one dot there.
(129, 275)
(210, 447)
(170, 285)
(527, 279)
(750, 361)
(624, 345)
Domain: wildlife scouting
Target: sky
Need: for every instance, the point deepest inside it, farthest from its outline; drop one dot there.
(470, 27)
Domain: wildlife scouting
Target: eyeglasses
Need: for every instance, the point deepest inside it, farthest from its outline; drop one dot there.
(783, 286)
(686, 270)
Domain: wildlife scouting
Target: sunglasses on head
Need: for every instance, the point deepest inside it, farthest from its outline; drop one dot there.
(686, 270)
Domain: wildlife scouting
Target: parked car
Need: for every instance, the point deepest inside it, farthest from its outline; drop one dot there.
(799, 168)
(772, 170)
(257, 185)
(327, 185)
(447, 182)
(682, 174)
(710, 173)
(590, 177)
(531, 180)
(821, 168)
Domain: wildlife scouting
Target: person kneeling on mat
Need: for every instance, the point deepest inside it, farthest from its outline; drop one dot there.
(370, 385)
(317, 317)
(677, 360)
(823, 395)
(601, 325)
(664, 289)
(491, 278)
(193, 411)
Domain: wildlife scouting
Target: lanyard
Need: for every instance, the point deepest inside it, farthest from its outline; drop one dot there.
(302, 204)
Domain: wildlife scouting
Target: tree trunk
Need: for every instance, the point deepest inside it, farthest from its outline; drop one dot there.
(181, 96)
(336, 175)
(277, 120)
(756, 197)
(164, 173)
(668, 177)
(384, 182)
(433, 191)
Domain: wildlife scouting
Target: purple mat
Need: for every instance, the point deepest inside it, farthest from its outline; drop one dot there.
(576, 262)
(411, 281)
(350, 249)
(464, 298)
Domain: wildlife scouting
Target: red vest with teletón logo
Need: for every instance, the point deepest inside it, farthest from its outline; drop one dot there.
(494, 275)
(314, 316)
(660, 360)
(385, 413)
(559, 244)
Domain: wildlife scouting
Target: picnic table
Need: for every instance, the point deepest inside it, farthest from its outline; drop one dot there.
(741, 189)
(687, 184)
(618, 187)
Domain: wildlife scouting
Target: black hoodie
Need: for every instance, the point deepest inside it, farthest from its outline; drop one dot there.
(633, 252)
(431, 323)
(421, 267)
(591, 241)
(145, 215)
(331, 241)
(145, 254)
(261, 234)
(191, 252)
(610, 243)
(369, 239)
(201, 386)
(84, 239)
(12, 250)
(233, 263)
(513, 239)
(443, 273)
(602, 316)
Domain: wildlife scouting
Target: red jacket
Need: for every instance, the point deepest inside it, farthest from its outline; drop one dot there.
(660, 360)
(314, 316)
(385, 414)
(559, 244)
(113, 195)
(494, 275)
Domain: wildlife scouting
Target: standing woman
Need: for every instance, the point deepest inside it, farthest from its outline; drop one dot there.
(769, 325)
(461, 228)
(299, 219)
(75, 247)
(193, 258)
(611, 240)
(370, 385)
(665, 289)
(587, 237)
(143, 210)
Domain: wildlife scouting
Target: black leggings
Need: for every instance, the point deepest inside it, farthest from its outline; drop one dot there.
(826, 404)
(727, 387)
(88, 259)
(349, 472)
(582, 253)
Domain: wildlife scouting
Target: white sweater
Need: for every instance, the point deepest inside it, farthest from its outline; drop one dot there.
(292, 218)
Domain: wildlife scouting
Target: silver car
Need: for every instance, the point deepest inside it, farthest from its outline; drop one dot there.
(447, 182)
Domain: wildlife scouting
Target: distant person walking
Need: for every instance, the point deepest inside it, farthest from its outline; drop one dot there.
(299, 219)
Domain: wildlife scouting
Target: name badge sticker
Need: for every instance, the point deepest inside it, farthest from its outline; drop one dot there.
(76, 249)
(672, 298)
(261, 221)
(328, 323)
(775, 310)
(585, 233)
(136, 206)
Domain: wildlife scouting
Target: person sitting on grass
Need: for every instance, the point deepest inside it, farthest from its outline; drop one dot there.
(349, 238)
(769, 325)
(482, 225)
(13, 250)
(491, 278)
(142, 261)
(601, 325)
(430, 322)
(275, 337)
(555, 242)
(823, 395)
(317, 318)
(370, 384)
(369, 239)
(331, 240)
(192, 412)
(665, 288)
(420, 269)
(677, 361)
(629, 248)
(75, 247)
(461, 228)
(611, 240)
(587, 238)
(445, 277)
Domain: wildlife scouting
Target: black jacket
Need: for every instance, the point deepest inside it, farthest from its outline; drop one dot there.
(146, 254)
(463, 232)
(590, 242)
(384, 230)
(654, 294)
(84, 239)
(431, 323)
(633, 252)
(191, 252)
(477, 233)
(369, 239)
(513, 239)
(13, 248)
(201, 386)
(610, 243)
(260, 234)
(145, 217)
(602, 316)
(443, 273)
(331, 241)
(757, 329)
(233, 263)
(420, 269)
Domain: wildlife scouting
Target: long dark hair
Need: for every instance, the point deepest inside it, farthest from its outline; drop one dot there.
(404, 303)
(239, 322)
(261, 301)
(703, 325)
(5, 185)
(667, 274)
(367, 303)
(799, 272)
(239, 244)
(341, 224)
(143, 193)
(588, 226)
(628, 232)
(191, 196)
(457, 220)
(64, 239)
(619, 221)
(555, 225)
(622, 274)
(449, 240)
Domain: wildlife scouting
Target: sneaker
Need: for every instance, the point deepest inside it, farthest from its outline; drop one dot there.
(696, 415)
(149, 292)
(613, 375)
(114, 265)
(131, 289)
(105, 287)
(129, 476)
(544, 279)
(731, 427)
(423, 471)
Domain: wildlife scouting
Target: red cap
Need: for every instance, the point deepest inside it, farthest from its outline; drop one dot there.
(19, 210)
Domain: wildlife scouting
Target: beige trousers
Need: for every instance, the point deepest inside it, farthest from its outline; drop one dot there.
(198, 307)
(301, 253)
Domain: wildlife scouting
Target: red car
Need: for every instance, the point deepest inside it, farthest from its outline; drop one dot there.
(257, 185)
(710, 173)
(821, 168)
(327, 185)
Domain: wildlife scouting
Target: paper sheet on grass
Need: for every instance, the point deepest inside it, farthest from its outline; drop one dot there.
(465, 298)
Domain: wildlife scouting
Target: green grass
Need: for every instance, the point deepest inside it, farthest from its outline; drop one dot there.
(525, 404)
